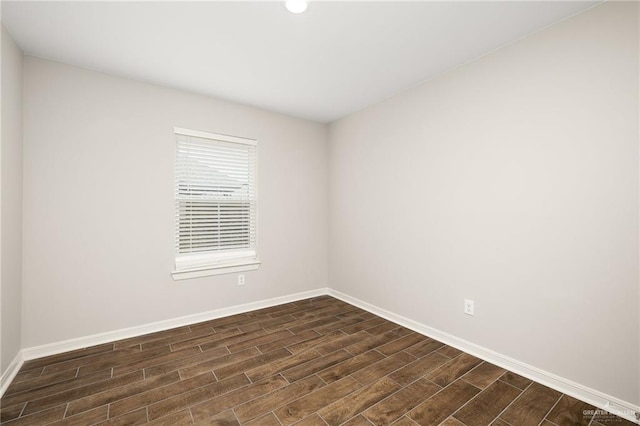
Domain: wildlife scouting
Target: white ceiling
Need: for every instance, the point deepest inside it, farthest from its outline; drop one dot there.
(335, 59)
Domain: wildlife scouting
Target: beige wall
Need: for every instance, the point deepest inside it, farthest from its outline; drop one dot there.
(512, 181)
(11, 202)
(99, 211)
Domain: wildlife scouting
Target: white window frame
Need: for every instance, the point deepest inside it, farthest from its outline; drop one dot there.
(194, 265)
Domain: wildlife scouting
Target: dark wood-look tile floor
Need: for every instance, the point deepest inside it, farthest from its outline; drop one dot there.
(313, 362)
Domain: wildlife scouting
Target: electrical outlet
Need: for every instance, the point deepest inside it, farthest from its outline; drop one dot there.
(468, 307)
(241, 279)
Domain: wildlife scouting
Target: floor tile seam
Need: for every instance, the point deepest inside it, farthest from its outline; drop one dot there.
(122, 357)
(387, 374)
(197, 403)
(441, 390)
(283, 372)
(311, 393)
(163, 399)
(554, 406)
(256, 346)
(522, 391)
(400, 390)
(490, 384)
(482, 390)
(7, 394)
(71, 389)
(233, 408)
(65, 360)
(120, 399)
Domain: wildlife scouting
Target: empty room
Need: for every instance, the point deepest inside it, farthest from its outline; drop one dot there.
(314, 213)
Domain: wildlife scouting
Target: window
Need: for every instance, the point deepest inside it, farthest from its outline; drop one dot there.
(215, 204)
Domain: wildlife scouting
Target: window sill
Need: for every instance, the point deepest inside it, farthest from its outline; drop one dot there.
(230, 268)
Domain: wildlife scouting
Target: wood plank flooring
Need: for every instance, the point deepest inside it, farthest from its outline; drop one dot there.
(313, 362)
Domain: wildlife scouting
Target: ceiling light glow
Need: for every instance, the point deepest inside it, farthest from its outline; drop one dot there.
(296, 6)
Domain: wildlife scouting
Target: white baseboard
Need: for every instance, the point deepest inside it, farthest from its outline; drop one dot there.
(111, 336)
(10, 373)
(591, 396)
(596, 398)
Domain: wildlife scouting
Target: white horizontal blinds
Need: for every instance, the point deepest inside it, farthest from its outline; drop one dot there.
(215, 197)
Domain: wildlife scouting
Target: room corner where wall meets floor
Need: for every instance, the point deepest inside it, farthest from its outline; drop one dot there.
(324, 321)
(315, 359)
